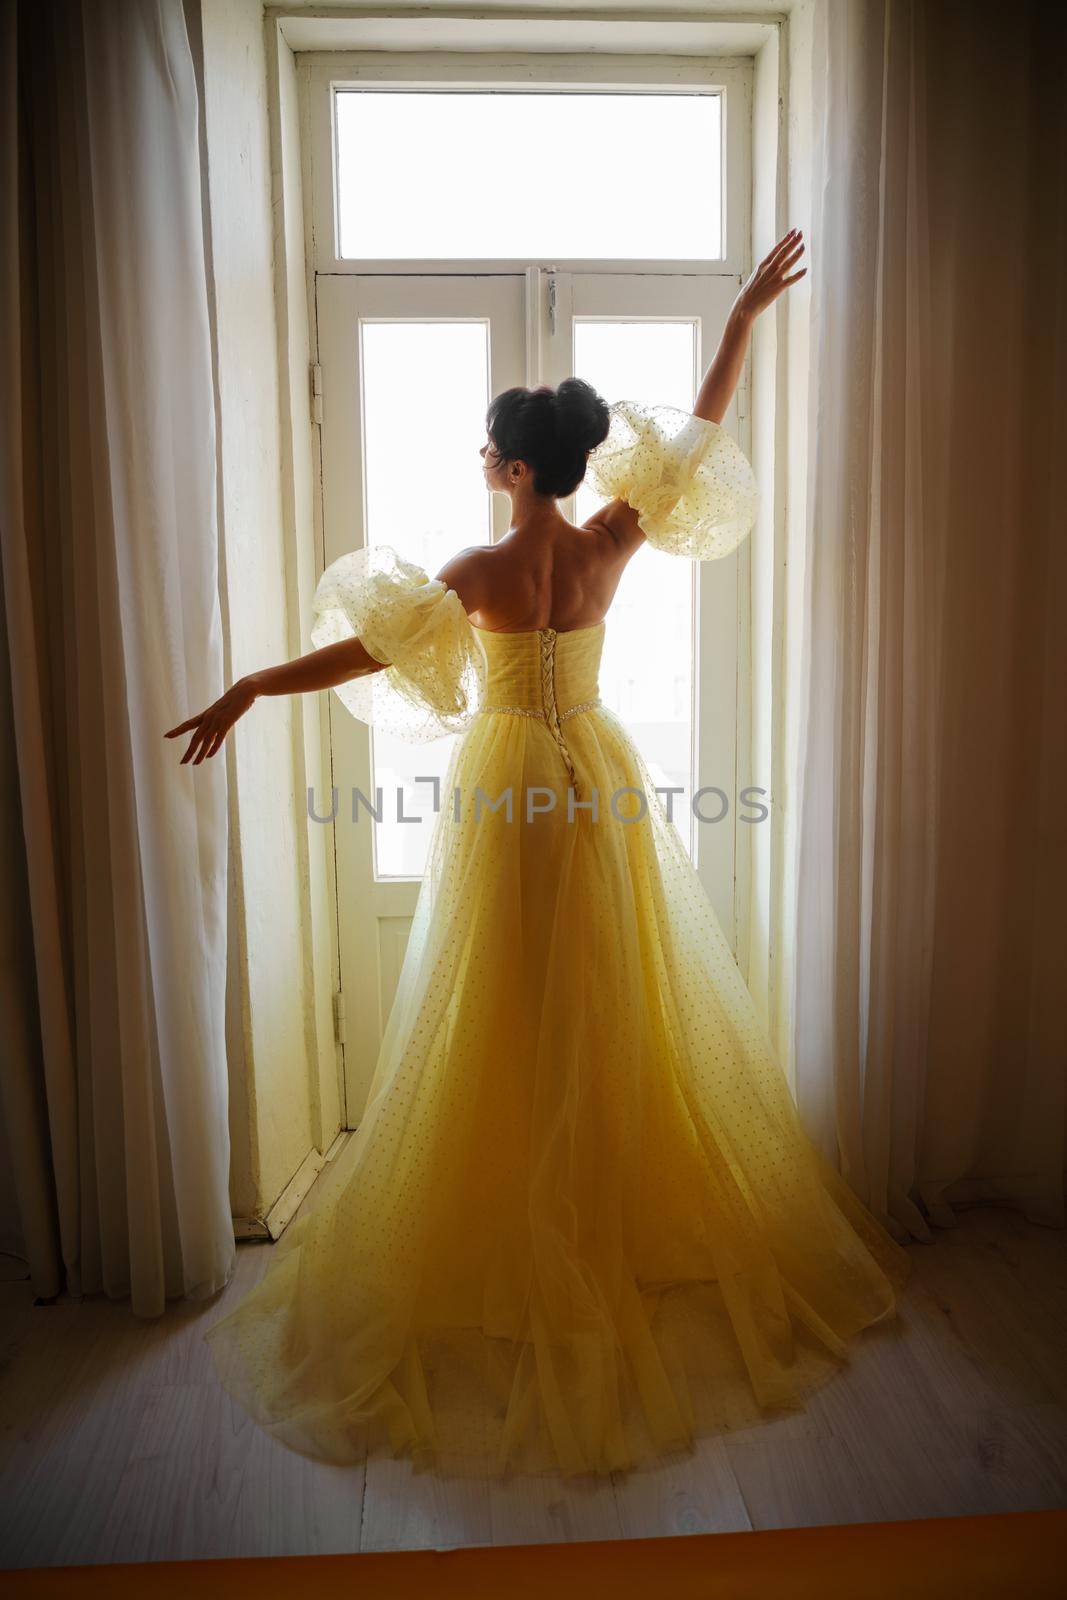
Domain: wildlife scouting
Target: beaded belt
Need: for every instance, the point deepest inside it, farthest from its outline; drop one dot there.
(528, 711)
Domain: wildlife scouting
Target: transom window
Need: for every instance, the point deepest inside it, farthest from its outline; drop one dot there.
(458, 174)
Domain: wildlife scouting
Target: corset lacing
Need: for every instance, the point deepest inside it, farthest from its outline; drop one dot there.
(547, 638)
(549, 711)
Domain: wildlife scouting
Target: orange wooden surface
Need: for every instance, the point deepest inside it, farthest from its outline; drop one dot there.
(1021, 1554)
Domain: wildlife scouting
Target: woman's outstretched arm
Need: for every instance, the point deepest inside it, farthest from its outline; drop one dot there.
(320, 669)
(766, 284)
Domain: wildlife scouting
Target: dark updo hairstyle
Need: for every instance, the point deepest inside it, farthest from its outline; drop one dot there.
(553, 430)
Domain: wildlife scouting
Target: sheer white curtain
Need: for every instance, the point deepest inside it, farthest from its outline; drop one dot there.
(931, 1043)
(113, 937)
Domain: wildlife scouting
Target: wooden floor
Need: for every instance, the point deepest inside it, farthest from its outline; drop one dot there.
(118, 1445)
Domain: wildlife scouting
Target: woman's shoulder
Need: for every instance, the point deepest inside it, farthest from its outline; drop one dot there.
(468, 574)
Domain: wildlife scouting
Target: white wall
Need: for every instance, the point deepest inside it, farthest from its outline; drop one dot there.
(799, 119)
(285, 1079)
(782, 132)
(278, 1112)
(304, 562)
(759, 600)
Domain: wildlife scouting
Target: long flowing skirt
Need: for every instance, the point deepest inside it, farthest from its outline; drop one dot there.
(580, 1223)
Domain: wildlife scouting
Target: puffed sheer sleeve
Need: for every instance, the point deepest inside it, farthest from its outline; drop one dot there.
(688, 479)
(415, 623)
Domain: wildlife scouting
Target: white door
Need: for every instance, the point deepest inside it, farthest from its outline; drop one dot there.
(409, 365)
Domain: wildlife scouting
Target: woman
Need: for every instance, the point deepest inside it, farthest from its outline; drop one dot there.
(580, 1222)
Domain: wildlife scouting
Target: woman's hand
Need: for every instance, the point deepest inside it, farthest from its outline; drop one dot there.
(212, 725)
(771, 276)
(319, 669)
(765, 285)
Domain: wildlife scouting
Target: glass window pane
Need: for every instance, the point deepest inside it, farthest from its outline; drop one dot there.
(425, 497)
(625, 176)
(649, 646)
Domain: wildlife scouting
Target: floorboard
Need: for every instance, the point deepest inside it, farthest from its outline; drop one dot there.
(117, 1444)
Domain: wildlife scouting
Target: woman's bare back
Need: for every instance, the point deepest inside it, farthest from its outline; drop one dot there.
(554, 575)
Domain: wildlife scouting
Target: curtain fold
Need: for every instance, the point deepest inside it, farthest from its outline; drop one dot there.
(930, 1035)
(114, 1088)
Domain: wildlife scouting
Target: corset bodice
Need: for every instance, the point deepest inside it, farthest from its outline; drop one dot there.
(541, 670)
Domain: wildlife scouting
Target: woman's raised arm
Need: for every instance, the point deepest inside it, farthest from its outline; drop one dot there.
(766, 284)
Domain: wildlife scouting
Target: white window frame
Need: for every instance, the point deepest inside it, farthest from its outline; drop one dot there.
(319, 74)
(656, 50)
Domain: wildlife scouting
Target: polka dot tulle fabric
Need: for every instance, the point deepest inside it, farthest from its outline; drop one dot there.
(580, 1223)
(435, 675)
(688, 479)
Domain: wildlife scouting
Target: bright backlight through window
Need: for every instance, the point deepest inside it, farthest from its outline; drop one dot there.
(513, 175)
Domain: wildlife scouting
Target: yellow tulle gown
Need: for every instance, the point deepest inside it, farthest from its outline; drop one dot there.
(580, 1223)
